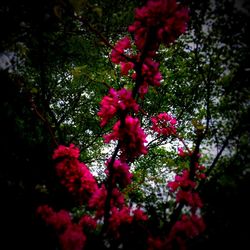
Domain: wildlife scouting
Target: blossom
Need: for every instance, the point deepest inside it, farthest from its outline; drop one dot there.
(200, 172)
(131, 137)
(63, 151)
(159, 21)
(182, 153)
(116, 101)
(191, 198)
(74, 175)
(118, 217)
(73, 238)
(182, 181)
(150, 74)
(59, 220)
(190, 226)
(87, 222)
(70, 234)
(155, 243)
(121, 174)
(164, 124)
(139, 215)
(118, 53)
(126, 67)
(97, 200)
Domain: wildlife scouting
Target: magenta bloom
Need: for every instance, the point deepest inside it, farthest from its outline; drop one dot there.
(74, 175)
(139, 215)
(190, 198)
(117, 54)
(63, 151)
(115, 101)
(190, 226)
(131, 137)
(73, 238)
(151, 76)
(59, 220)
(97, 201)
(121, 175)
(88, 223)
(182, 181)
(159, 21)
(117, 218)
(164, 124)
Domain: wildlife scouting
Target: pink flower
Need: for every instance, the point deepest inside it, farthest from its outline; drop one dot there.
(116, 101)
(181, 181)
(118, 53)
(45, 211)
(190, 226)
(59, 220)
(131, 137)
(159, 21)
(74, 175)
(139, 215)
(126, 67)
(97, 200)
(73, 238)
(117, 198)
(71, 235)
(155, 243)
(191, 198)
(200, 172)
(181, 153)
(87, 222)
(151, 75)
(164, 124)
(63, 151)
(121, 175)
(117, 218)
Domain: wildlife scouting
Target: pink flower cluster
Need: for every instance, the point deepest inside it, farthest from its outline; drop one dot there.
(181, 181)
(73, 238)
(124, 216)
(149, 71)
(119, 54)
(131, 136)
(151, 75)
(115, 101)
(120, 213)
(74, 175)
(122, 54)
(185, 190)
(88, 223)
(71, 152)
(159, 21)
(71, 235)
(189, 226)
(200, 171)
(164, 124)
(97, 201)
(121, 176)
(191, 198)
(183, 153)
